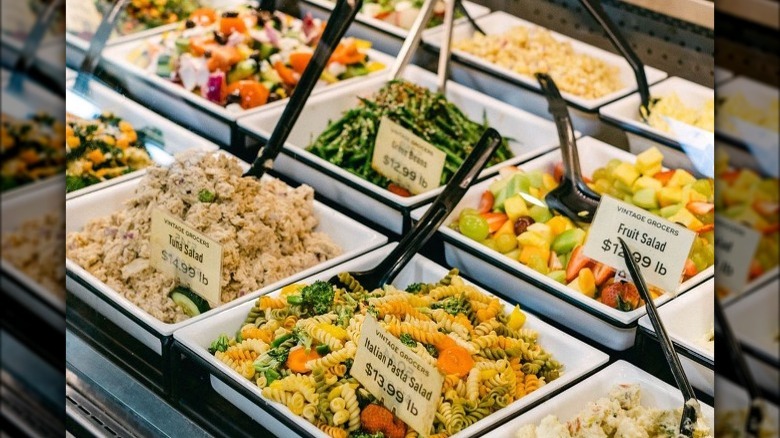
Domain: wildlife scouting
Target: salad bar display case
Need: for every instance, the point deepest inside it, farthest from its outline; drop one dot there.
(202, 300)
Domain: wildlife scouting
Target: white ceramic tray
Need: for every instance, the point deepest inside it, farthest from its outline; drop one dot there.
(387, 36)
(731, 397)
(753, 319)
(758, 94)
(190, 109)
(577, 358)
(610, 327)
(624, 113)
(499, 22)
(76, 46)
(353, 237)
(176, 138)
(531, 136)
(654, 393)
(33, 99)
(45, 198)
(722, 75)
(687, 320)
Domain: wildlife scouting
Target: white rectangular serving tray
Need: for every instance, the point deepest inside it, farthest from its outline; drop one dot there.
(44, 198)
(753, 319)
(76, 47)
(387, 36)
(499, 22)
(610, 327)
(189, 109)
(687, 320)
(758, 94)
(624, 113)
(577, 358)
(530, 136)
(33, 99)
(176, 138)
(353, 237)
(654, 393)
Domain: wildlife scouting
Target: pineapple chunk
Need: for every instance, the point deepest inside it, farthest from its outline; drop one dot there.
(670, 196)
(649, 162)
(515, 207)
(626, 173)
(646, 182)
(681, 178)
(685, 217)
(559, 224)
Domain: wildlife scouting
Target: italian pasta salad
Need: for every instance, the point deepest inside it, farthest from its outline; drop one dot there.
(298, 346)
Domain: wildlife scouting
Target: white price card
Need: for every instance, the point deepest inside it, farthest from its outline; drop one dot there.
(660, 246)
(182, 251)
(404, 383)
(406, 159)
(735, 245)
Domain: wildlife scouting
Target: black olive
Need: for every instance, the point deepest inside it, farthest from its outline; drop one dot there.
(207, 54)
(220, 38)
(277, 22)
(256, 56)
(189, 24)
(230, 14)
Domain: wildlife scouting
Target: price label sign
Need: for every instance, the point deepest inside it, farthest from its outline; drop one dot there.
(660, 246)
(406, 159)
(182, 251)
(735, 245)
(403, 382)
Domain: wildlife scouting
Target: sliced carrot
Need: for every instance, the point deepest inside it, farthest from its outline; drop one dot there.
(299, 61)
(664, 176)
(223, 58)
(285, 73)
(494, 220)
(577, 262)
(455, 360)
(253, 93)
(203, 16)
(486, 202)
(398, 190)
(228, 25)
(297, 358)
(199, 46)
(347, 53)
(700, 208)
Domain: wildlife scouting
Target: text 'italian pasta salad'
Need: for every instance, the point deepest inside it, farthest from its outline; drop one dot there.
(299, 347)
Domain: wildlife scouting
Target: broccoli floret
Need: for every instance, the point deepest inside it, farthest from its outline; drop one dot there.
(316, 297)
(407, 340)
(344, 315)
(220, 344)
(431, 350)
(414, 288)
(453, 305)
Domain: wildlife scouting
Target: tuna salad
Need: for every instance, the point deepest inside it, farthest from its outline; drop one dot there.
(266, 229)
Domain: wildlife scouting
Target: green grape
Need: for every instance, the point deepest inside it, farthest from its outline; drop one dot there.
(468, 212)
(506, 242)
(474, 227)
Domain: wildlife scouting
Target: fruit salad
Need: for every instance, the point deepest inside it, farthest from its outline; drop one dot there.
(32, 149)
(246, 58)
(101, 149)
(511, 218)
(749, 198)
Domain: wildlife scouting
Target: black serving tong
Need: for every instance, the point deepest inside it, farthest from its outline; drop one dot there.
(690, 404)
(619, 41)
(96, 46)
(442, 206)
(572, 198)
(755, 412)
(468, 16)
(343, 15)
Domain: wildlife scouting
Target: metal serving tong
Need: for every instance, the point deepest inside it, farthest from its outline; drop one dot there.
(96, 46)
(26, 58)
(384, 272)
(572, 198)
(690, 406)
(412, 42)
(343, 15)
(622, 46)
(756, 411)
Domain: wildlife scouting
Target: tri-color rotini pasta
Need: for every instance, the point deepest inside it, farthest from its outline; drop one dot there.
(300, 345)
